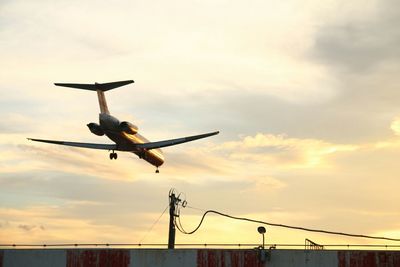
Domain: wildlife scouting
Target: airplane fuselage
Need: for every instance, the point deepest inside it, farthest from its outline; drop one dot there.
(125, 140)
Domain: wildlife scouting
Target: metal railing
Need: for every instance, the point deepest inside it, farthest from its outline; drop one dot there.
(203, 246)
(311, 245)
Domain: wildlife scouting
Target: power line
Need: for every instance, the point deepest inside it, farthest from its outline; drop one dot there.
(151, 228)
(194, 208)
(280, 225)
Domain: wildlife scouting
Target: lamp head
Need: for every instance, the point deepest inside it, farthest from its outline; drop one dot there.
(261, 230)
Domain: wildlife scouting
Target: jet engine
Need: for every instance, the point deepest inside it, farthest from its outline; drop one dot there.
(128, 127)
(95, 128)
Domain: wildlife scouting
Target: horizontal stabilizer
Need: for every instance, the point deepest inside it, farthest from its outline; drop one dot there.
(96, 86)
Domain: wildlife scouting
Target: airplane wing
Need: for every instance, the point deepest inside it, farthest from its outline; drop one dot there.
(171, 142)
(85, 145)
(149, 145)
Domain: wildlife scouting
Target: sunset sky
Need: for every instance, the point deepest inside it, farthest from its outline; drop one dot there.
(305, 95)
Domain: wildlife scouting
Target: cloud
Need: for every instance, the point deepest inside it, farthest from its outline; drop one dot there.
(76, 204)
(57, 227)
(290, 152)
(303, 94)
(361, 41)
(29, 228)
(76, 161)
(395, 126)
(269, 157)
(207, 52)
(356, 47)
(16, 123)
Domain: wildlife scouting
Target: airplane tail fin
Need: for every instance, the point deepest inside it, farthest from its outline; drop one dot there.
(100, 88)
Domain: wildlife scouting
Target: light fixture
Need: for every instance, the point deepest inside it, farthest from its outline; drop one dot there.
(261, 230)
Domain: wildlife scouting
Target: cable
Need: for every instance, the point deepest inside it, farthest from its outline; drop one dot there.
(194, 208)
(179, 224)
(151, 228)
(285, 226)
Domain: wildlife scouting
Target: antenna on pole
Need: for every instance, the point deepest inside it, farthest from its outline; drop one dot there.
(173, 204)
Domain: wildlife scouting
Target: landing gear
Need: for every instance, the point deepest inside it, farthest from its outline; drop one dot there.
(113, 155)
(157, 171)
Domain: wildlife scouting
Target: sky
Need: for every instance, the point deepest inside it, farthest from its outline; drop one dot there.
(304, 93)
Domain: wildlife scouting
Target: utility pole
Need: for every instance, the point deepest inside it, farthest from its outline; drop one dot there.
(173, 202)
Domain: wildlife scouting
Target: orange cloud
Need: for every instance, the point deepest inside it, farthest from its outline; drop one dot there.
(284, 151)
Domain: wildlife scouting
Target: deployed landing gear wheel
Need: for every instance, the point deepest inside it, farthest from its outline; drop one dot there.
(113, 155)
(157, 171)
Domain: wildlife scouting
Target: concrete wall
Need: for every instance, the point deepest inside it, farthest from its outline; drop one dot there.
(194, 257)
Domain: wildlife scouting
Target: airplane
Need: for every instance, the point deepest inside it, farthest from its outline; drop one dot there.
(124, 134)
